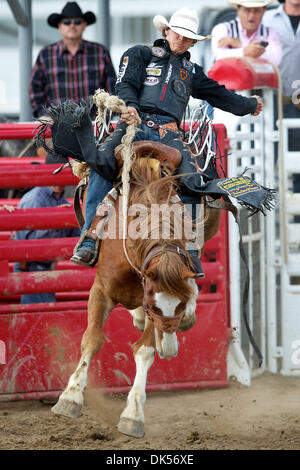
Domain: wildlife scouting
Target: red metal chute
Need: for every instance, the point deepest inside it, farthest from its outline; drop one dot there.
(244, 73)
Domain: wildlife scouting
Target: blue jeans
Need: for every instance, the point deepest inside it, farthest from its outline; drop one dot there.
(97, 189)
(35, 298)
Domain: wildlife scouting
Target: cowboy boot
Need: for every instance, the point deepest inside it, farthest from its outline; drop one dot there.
(92, 236)
(87, 255)
(82, 256)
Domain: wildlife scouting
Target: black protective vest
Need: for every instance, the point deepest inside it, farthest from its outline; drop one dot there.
(168, 84)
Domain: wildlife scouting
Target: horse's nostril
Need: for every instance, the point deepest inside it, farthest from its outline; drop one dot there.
(180, 307)
(155, 309)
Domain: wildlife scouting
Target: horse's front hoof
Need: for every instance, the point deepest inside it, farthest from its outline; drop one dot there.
(131, 428)
(67, 408)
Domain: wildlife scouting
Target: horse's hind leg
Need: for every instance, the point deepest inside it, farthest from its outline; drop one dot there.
(132, 419)
(71, 400)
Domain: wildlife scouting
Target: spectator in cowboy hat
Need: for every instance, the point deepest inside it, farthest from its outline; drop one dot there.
(71, 68)
(246, 36)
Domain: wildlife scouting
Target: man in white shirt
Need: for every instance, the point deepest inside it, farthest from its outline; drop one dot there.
(246, 36)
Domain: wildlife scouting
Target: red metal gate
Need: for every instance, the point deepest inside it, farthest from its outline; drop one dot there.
(40, 343)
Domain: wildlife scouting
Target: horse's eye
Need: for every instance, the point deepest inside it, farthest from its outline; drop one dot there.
(151, 275)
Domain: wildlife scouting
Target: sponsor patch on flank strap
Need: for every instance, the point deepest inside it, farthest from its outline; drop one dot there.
(238, 186)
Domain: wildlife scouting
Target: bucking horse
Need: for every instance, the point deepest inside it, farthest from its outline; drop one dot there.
(151, 276)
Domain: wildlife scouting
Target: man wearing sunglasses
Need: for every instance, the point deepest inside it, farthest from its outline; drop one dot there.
(71, 68)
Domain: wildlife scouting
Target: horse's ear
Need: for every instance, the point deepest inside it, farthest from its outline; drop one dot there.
(187, 273)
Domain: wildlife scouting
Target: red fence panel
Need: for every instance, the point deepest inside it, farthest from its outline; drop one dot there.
(36, 175)
(37, 250)
(37, 219)
(19, 130)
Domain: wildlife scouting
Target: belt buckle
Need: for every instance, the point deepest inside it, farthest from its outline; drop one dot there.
(150, 124)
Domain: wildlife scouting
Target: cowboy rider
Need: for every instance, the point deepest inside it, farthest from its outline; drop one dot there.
(156, 84)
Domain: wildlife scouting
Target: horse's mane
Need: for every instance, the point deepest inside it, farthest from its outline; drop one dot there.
(149, 190)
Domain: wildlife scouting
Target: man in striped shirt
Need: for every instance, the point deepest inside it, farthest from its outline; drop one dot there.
(246, 36)
(71, 68)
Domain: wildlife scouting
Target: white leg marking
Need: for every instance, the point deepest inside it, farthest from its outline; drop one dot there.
(167, 305)
(137, 395)
(77, 383)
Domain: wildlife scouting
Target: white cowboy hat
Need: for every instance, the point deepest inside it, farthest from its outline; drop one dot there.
(184, 22)
(250, 3)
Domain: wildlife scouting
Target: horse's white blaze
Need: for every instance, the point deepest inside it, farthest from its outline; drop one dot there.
(77, 383)
(169, 343)
(137, 396)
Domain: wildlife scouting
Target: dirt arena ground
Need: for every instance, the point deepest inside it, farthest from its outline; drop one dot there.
(264, 416)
